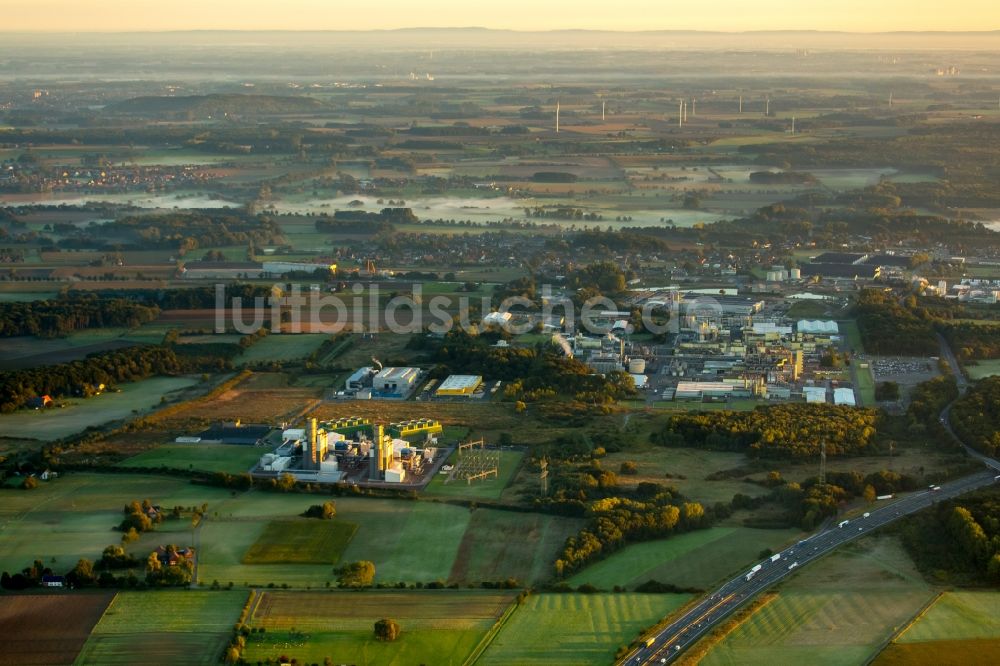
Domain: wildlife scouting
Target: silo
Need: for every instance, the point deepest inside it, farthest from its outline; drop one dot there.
(637, 366)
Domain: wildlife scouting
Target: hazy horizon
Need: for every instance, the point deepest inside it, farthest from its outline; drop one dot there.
(626, 15)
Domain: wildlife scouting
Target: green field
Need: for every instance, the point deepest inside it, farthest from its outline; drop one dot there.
(981, 369)
(303, 541)
(282, 347)
(811, 310)
(489, 488)
(164, 627)
(576, 629)
(840, 610)
(413, 541)
(437, 627)
(509, 544)
(958, 616)
(201, 457)
(700, 558)
(849, 329)
(73, 516)
(410, 541)
(866, 387)
(81, 413)
(686, 469)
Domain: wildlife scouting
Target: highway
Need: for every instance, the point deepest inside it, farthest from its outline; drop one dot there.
(699, 620)
(670, 642)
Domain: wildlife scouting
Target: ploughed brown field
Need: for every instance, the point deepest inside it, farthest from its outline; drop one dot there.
(47, 629)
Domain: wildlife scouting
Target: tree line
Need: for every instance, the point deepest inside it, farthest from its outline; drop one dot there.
(77, 377)
(976, 416)
(958, 540)
(777, 431)
(59, 317)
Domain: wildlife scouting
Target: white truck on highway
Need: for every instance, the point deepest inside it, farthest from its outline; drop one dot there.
(776, 557)
(843, 523)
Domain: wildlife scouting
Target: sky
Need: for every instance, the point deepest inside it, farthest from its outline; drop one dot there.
(725, 15)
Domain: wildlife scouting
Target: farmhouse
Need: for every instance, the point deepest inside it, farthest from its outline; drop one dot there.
(171, 556)
(39, 402)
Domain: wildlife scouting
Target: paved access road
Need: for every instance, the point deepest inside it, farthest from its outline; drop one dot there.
(681, 634)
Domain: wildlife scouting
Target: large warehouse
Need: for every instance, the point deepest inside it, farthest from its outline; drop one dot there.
(395, 381)
(459, 385)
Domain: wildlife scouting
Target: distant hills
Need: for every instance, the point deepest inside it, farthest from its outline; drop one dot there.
(201, 106)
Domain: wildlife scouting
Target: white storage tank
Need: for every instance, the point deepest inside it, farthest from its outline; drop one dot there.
(637, 366)
(795, 274)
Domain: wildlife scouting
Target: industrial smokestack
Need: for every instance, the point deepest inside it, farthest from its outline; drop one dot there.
(313, 453)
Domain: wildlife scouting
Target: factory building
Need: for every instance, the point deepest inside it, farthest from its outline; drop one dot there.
(405, 429)
(362, 378)
(396, 381)
(844, 396)
(348, 425)
(817, 327)
(742, 306)
(459, 385)
(276, 268)
(814, 394)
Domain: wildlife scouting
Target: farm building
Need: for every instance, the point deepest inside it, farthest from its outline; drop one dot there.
(458, 385)
(171, 557)
(53, 581)
(38, 402)
(396, 381)
(496, 319)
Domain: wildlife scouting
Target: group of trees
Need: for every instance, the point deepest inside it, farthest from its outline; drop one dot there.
(976, 416)
(64, 379)
(356, 574)
(114, 559)
(140, 516)
(531, 374)
(178, 231)
(891, 327)
(973, 342)
(161, 574)
(59, 317)
(787, 430)
(616, 521)
(325, 511)
(958, 540)
(809, 503)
